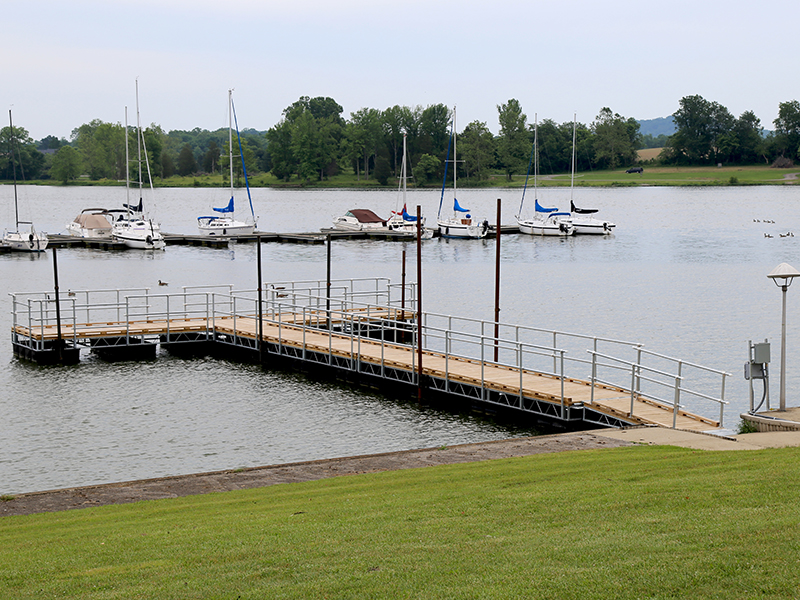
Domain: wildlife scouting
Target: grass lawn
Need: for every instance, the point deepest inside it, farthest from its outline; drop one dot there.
(666, 176)
(640, 522)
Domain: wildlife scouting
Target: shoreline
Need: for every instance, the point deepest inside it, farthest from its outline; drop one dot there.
(177, 486)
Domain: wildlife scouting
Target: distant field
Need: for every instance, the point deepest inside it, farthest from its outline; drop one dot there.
(649, 153)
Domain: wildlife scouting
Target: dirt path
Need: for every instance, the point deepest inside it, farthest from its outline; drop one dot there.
(222, 481)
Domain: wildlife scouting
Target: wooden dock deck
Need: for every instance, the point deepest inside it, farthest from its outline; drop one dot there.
(355, 340)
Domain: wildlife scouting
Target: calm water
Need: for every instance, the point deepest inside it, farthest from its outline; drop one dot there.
(685, 274)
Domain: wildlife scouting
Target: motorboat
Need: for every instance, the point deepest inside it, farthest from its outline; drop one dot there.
(360, 219)
(225, 224)
(91, 223)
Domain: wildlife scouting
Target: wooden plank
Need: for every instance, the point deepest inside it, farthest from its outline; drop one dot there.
(291, 331)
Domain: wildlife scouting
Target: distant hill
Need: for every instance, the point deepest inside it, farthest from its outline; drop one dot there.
(656, 127)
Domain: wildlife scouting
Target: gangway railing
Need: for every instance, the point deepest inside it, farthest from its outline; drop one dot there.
(355, 309)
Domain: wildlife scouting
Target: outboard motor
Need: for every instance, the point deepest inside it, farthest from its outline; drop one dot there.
(485, 227)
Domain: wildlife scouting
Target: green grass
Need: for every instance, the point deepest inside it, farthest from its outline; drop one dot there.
(661, 176)
(642, 522)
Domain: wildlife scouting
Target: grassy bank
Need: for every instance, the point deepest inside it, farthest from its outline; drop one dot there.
(642, 522)
(661, 176)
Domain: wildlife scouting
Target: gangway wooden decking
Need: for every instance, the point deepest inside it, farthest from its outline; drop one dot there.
(381, 343)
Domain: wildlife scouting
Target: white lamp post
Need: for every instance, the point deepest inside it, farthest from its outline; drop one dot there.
(783, 275)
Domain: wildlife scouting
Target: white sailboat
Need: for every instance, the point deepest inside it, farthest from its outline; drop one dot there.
(227, 225)
(461, 224)
(546, 221)
(134, 228)
(582, 219)
(21, 241)
(401, 220)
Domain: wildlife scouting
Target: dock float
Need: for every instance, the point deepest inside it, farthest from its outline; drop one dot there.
(57, 240)
(364, 334)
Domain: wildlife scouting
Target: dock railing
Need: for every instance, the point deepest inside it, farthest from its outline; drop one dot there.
(368, 311)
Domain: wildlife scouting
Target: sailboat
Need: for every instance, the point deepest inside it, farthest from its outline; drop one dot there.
(461, 224)
(401, 220)
(546, 221)
(133, 227)
(226, 225)
(22, 241)
(583, 221)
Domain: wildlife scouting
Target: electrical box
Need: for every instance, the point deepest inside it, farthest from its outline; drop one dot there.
(761, 353)
(754, 370)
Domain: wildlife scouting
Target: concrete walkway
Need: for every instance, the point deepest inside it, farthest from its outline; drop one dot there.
(702, 441)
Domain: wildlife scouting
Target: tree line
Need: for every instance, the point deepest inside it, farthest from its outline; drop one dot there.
(313, 141)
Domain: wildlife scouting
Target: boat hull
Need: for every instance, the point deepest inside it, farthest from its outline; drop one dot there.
(547, 227)
(590, 226)
(463, 228)
(139, 235)
(75, 229)
(224, 227)
(25, 242)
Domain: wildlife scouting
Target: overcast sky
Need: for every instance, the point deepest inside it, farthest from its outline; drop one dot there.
(66, 63)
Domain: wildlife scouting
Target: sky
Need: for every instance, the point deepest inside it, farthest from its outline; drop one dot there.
(67, 63)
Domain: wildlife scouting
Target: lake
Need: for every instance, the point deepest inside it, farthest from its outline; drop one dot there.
(684, 273)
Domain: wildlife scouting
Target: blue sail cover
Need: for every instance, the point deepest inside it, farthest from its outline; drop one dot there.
(457, 206)
(408, 217)
(227, 209)
(544, 210)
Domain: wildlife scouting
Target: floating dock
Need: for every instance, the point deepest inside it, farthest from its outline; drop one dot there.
(57, 240)
(363, 331)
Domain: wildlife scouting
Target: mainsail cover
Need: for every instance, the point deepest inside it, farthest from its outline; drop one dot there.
(226, 209)
(457, 207)
(539, 208)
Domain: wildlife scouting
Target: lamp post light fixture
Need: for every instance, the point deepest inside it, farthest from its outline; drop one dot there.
(783, 275)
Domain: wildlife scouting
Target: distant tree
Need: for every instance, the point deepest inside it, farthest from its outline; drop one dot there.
(167, 165)
(434, 130)
(615, 139)
(555, 147)
(364, 136)
(744, 144)
(427, 169)
(307, 140)
(477, 149)
(66, 165)
(186, 161)
(787, 129)
(514, 142)
(51, 142)
(27, 160)
(382, 168)
(211, 158)
(702, 127)
(648, 140)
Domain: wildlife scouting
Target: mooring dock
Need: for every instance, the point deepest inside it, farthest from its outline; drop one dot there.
(367, 331)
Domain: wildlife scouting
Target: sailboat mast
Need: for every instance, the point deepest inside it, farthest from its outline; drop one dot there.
(13, 167)
(535, 155)
(572, 180)
(230, 137)
(455, 158)
(139, 140)
(403, 170)
(127, 165)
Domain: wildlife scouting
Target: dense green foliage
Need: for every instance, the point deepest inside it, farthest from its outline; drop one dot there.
(313, 142)
(640, 522)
